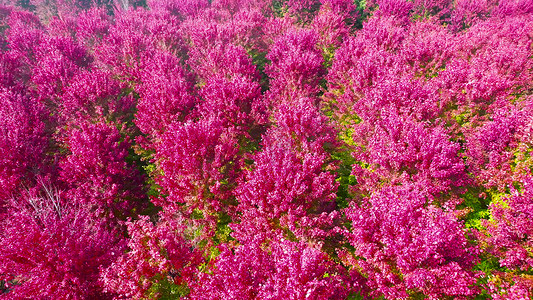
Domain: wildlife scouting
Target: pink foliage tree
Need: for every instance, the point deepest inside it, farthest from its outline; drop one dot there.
(23, 143)
(296, 66)
(283, 270)
(54, 249)
(157, 254)
(96, 171)
(407, 246)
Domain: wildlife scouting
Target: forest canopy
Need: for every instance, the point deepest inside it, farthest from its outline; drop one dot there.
(258, 149)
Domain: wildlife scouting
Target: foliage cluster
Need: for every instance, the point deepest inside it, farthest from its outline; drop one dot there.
(243, 149)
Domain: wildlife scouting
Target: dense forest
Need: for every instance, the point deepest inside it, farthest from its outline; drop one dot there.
(258, 149)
